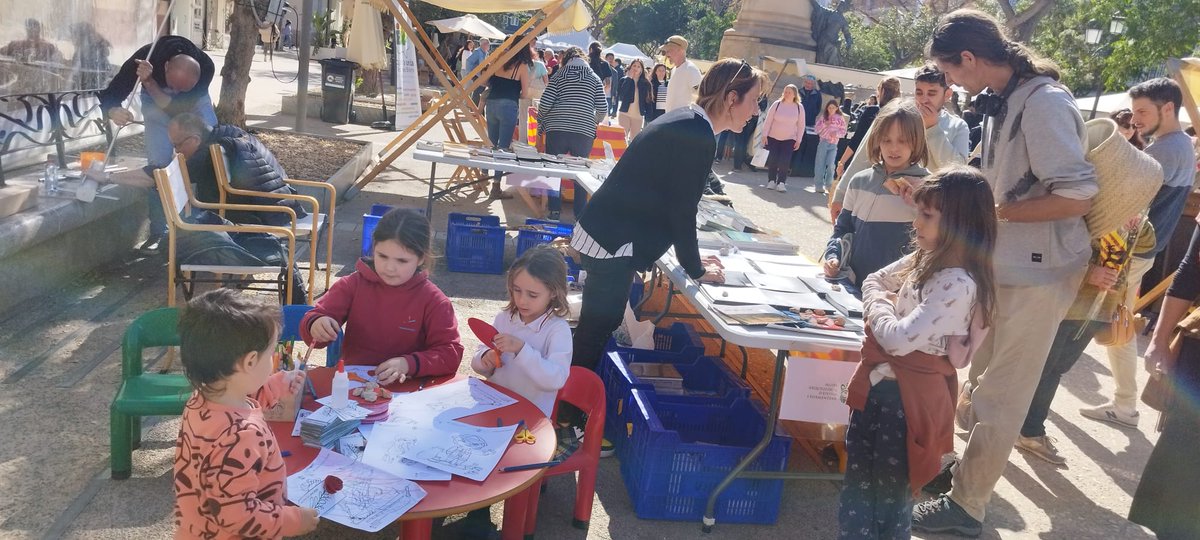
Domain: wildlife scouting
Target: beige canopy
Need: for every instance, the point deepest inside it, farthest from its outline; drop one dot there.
(468, 24)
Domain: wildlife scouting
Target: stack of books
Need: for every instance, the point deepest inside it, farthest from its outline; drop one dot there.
(324, 427)
(762, 243)
(525, 152)
(456, 150)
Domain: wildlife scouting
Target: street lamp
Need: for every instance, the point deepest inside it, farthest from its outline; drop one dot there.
(1095, 35)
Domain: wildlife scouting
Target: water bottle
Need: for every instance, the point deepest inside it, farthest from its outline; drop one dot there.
(50, 178)
(340, 391)
(610, 160)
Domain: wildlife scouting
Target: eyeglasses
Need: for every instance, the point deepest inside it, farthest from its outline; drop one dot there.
(177, 144)
(745, 65)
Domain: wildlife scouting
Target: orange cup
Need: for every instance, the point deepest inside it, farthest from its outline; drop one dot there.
(86, 159)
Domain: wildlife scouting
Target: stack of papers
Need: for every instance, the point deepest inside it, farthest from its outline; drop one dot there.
(456, 150)
(429, 146)
(325, 427)
(711, 240)
(714, 216)
(525, 152)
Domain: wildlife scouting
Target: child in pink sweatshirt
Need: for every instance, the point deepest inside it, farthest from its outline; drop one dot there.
(230, 479)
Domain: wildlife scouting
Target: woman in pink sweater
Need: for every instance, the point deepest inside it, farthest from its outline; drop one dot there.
(831, 127)
(784, 129)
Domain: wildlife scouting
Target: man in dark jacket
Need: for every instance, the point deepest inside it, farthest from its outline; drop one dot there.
(175, 80)
(251, 166)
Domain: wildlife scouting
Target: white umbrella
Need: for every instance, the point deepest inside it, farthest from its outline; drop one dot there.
(627, 53)
(365, 43)
(468, 24)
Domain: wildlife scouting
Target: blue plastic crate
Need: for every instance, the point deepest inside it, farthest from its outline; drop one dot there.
(550, 231)
(706, 381)
(475, 244)
(371, 219)
(680, 452)
(678, 343)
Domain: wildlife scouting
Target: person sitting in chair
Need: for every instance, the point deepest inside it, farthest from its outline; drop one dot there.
(250, 165)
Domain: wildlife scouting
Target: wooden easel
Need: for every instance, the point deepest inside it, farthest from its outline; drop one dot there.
(458, 94)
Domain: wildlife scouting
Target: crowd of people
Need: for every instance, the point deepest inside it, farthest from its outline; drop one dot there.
(986, 266)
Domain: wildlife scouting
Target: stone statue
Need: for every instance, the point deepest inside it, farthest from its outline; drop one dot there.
(827, 24)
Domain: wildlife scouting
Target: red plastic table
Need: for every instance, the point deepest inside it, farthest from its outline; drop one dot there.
(459, 494)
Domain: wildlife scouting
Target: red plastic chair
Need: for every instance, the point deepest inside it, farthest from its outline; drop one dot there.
(584, 390)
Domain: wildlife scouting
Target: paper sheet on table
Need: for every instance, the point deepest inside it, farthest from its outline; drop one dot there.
(750, 295)
(730, 263)
(776, 269)
(352, 410)
(352, 446)
(389, 443)
(790, 260)
(531, 181)
(300, 416)
(817, 282)
(815, 390)
(777, 283)
(468, 451)
(369, 500)
(450, 401)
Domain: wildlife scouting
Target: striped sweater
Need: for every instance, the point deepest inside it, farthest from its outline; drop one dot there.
(880, 221)
(572, 100)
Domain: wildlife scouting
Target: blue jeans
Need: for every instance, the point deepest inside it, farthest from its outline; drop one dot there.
(159, 151)
(501, 121)
(826, 153)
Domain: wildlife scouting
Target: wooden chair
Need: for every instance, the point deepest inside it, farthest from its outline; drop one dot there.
(143, 394)
(173, 189)
(306, 229)
(585, 390)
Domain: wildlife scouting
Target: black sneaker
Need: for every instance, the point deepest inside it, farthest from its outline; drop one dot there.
(942, 515)
(941, 483)
(153, 244)
(478, 525)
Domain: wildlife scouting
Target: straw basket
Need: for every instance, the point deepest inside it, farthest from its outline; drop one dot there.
(1128, 178)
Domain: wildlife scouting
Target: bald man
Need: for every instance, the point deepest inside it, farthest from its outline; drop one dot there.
(175, 80)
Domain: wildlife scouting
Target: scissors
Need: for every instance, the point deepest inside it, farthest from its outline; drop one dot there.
(524, 436)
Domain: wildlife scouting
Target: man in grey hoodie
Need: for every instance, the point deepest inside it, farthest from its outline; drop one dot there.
(1034, 159)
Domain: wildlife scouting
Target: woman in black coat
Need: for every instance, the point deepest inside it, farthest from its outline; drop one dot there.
(648, 203)
(1166, 500)
(636, 102)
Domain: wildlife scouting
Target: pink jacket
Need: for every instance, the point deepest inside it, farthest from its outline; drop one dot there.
(414, 320)
(784, 123)
(831, 130)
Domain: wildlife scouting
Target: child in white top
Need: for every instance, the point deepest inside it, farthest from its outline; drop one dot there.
(534, 342)
(936, 301)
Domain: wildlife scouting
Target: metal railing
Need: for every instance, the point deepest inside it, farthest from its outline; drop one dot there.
(49, 119)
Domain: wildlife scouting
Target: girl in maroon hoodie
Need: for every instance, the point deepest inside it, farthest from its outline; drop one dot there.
(395, 317)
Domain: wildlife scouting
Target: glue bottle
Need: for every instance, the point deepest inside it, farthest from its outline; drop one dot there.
(341, 387)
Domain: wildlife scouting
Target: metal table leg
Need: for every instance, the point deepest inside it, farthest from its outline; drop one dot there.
(740, 472)
(429, 203)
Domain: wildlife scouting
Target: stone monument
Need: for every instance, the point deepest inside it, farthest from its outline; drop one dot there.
(778, 28)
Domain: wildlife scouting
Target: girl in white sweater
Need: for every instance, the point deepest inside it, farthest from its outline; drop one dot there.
(532, 353)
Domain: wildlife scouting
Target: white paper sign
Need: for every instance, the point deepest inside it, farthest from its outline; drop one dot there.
(815, 390)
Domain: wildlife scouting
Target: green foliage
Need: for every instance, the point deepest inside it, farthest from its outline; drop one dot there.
(706, 32)
(894, 40)
(648, 23)
(1155, 30)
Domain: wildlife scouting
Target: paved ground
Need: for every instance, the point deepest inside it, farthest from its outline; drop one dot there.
(59, 366)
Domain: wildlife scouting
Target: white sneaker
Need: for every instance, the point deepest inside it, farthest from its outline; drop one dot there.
(1042, 447)
(781, 187)
(771, 185)
(1109, 413)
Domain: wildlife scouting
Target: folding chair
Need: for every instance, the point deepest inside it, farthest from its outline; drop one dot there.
(306, 229)
(174, 192)
(143, 394)
(585, 390)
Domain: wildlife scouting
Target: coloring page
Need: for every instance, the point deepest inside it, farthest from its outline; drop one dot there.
(469, 451)
(389, 444)
(449, 401)
(369, 500)
(359, 375)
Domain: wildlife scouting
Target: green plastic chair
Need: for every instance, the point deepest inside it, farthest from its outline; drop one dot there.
(143, 394)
